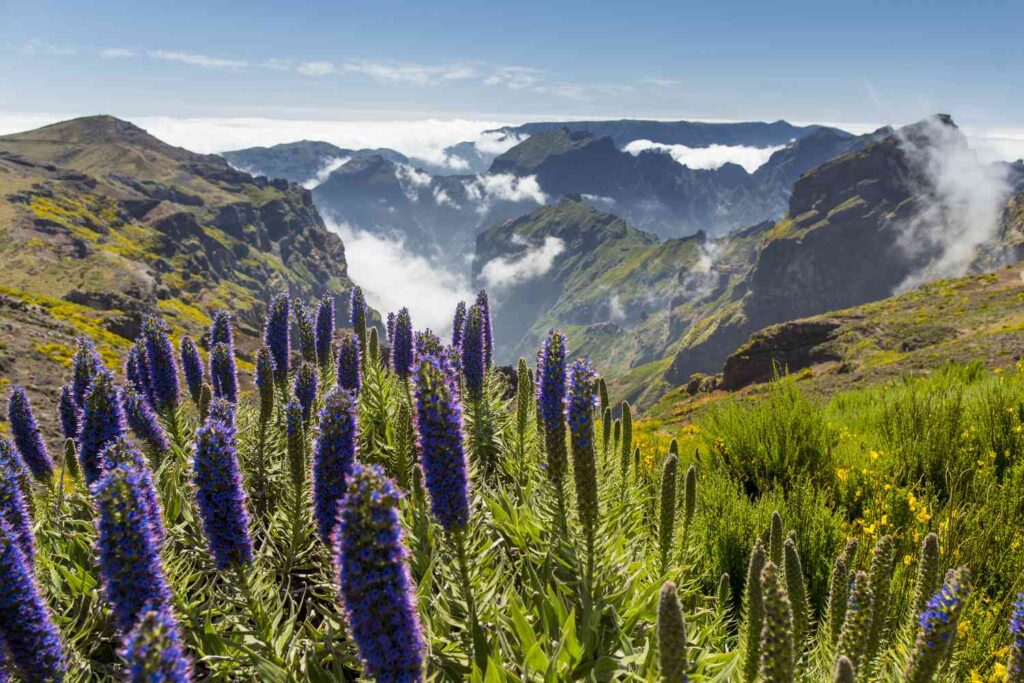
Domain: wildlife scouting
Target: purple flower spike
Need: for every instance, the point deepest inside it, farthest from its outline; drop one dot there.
(13, 507)
(84, 366)
(219, 492)
(265, 382)
(473, 359)
(129, 554)
(439, 431)
(276, 336)
(122, 453)
(349, 369)
(163, 367)
(458, 322)
(143, 421)
(325, 329)
(27, 436)
(136, 369)
(154, 651)
(192, 367)
(333, 456)
(70, 414)
(305, 389)
(102, 423)
(307, 335)
(27, 631)
(551, 398)
(223, 373)
(426, 343)
(376, 587)
(401, 344)
(485, 322)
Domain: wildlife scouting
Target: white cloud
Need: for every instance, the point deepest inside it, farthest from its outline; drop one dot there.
(411, 180)
(707, 158)
(616, 311)
(416, 74)
(660, 82)
(116, 53)
(197, 59)
(315, 68)
(515, 77)
(495, 142)
(329, 166)
(392, 276)
(489, 188)
(441, 198)
(41, 47)
(504, 272)
(967, 196)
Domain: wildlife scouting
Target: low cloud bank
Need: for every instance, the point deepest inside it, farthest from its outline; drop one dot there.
(392, 276)
(487, 189)
(707, 158)
(504, 272)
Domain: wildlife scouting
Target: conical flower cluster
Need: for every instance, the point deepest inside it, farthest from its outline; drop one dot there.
(192, 368)
(129, 556)
(13, 506)
(937, 628)
(579, 412)
(143, 421)
(305, 389)
(277, 336)
(27, 436)
(458, 322)
(671, 636)
(376, 586)
(777, 648)
(163, 367)
(223, 374)
(401, 344)
(103, 423)
(334, 457)
(439, 434)
(307, 335)
(219, 493)
(27, 631)
(473, 357)
(349, 364)
(325, 330)
(84, 366)
(70, 413)
(551, 400)
(154, 651)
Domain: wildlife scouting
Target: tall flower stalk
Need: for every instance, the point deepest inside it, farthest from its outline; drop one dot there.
(28, 437)
(143, 421)
(473, 364)
(853, 638)
(350, 373)
(325, 323)
(551, 400)
(154, 651)
(667, 524)
(579, 414)
(103, 423)
(13, 504)
(219, 492)
(129, 556)
(753, 607)
(264, 381)
(375, 583)
(357, 318)
(333, 458)
(223, 373)
(438, 421)
(458, 321)
(277, 338)
(937, 628)
(69, 412)
(27, 631)
(401, 345)
(484, 304)
(777, 647)
(307, 334)
(192, 368)
(84, 366)
(671, 636)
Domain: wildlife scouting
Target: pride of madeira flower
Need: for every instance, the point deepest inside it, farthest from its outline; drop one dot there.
(13, 506)
(30, 638)
(325, 330)
(439, 430)
(937, 627)
(163, 366)
(277, 336)
(219, 493)
(349, 364)
(401, 344)
(376, 587)
(192, 368)
(154, 651)
(27, 436)
(333, 457)
(102, 423)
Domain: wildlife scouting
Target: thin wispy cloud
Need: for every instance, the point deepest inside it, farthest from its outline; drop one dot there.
(416, 74)
(197, 59)
(515, 77)
(42, 47)
(116, 53)
(316, 68)
(660, 82)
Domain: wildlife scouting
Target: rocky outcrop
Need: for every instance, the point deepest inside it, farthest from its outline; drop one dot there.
(779, 350)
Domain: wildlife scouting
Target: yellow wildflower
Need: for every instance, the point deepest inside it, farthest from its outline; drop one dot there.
(923, 517)
(842, 474)
(908, 560)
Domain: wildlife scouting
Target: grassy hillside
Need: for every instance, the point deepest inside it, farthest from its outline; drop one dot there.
(101, 222)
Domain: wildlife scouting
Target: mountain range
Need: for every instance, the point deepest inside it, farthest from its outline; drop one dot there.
(102, 222)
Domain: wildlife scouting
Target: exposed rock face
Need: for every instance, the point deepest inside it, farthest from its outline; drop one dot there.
(780, 349)
(100, 223)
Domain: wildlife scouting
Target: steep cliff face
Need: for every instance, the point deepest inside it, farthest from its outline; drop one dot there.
(853, 234)
(100, 223)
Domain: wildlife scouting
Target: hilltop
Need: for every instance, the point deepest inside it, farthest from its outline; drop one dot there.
(101, 222)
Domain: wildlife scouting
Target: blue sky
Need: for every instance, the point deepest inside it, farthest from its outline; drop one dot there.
(865, 62)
